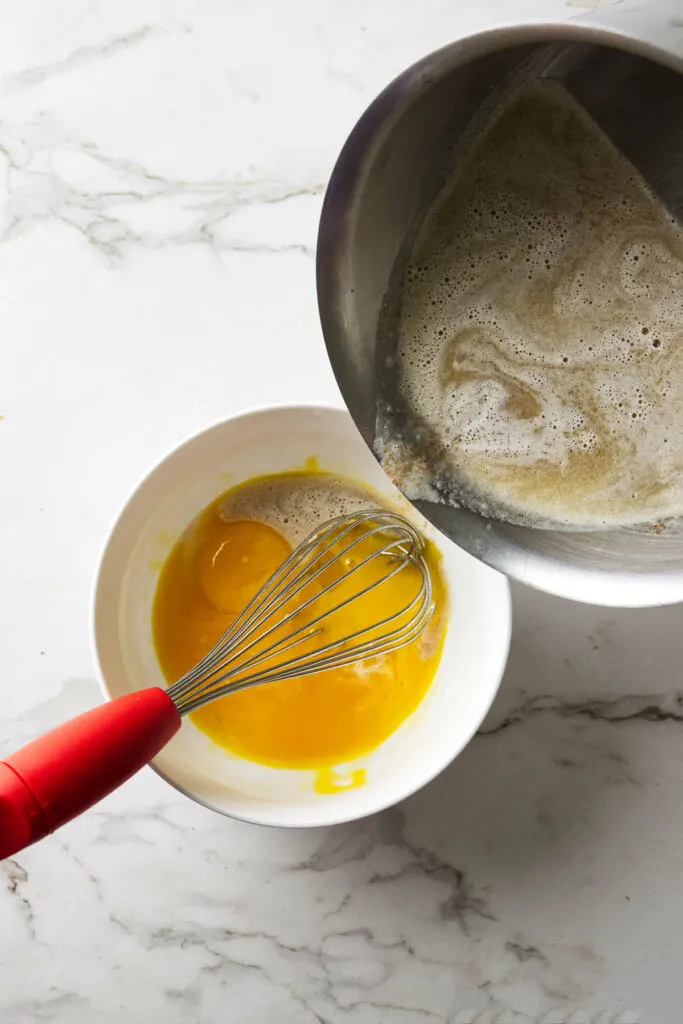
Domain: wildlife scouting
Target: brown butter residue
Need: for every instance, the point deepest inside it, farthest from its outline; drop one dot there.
(539, 327)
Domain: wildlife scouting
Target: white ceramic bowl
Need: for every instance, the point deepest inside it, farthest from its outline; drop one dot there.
(270, 441)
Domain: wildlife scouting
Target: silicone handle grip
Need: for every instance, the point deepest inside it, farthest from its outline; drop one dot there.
(55, 778)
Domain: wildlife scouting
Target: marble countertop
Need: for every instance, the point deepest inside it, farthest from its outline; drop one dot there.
(162, 167)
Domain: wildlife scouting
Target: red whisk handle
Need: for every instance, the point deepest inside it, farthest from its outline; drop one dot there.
(56, 777)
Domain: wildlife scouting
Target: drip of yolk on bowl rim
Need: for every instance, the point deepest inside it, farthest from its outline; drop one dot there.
(313, 722)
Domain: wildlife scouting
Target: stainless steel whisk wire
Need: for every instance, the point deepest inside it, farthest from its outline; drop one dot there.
(229, 666)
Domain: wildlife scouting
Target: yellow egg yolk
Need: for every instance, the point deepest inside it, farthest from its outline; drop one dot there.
(310, 722)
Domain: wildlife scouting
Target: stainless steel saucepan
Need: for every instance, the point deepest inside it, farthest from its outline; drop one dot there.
(625, 66)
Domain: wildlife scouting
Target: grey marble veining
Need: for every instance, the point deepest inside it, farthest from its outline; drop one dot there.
(534, 880)
(161, 173)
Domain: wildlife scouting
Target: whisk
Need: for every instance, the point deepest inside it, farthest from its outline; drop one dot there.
(297, 624)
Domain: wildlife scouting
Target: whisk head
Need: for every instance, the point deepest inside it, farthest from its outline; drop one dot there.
(318, 611)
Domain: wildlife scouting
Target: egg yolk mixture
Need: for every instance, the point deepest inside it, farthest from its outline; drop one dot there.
(311, 722)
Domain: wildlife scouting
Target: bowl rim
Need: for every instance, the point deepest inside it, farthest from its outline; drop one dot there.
(514, 550)
(503, 632)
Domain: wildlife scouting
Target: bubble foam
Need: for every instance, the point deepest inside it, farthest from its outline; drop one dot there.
(295, 504)
(540, 325)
